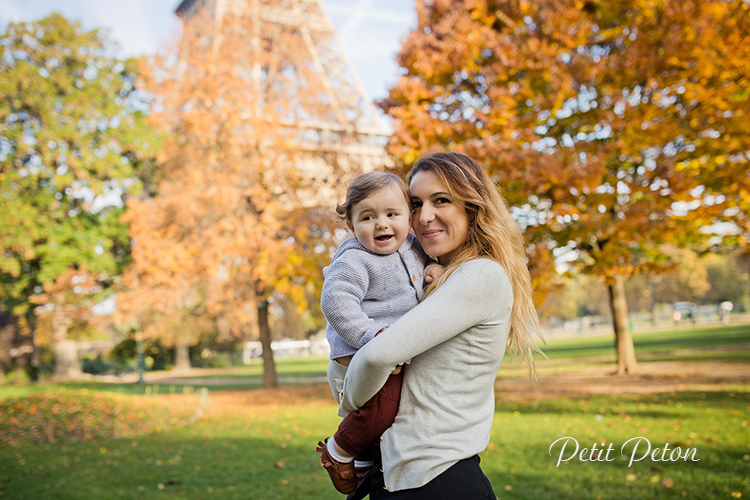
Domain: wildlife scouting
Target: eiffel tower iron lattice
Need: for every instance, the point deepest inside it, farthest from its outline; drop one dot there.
(342, 123)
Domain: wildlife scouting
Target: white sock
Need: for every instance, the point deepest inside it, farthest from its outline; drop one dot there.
(362, 464)
(336, 455)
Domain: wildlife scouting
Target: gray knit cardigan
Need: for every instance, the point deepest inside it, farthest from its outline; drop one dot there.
(364, 292)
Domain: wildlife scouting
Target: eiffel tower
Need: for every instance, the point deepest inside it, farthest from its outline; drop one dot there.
(350, 134)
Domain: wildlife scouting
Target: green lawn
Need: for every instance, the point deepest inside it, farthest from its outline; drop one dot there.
(257, 444)
(312, 366)
(265, 451)
(683, 344)
(663, 345)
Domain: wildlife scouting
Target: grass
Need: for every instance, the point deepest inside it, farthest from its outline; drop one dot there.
(715, 424)
(264, 450)
(312, 366)
(259, 444)
(682, 344)
(237, 378)
(670, 344)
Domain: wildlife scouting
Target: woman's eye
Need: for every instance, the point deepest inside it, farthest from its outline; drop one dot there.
(440, 201)
(415, 205)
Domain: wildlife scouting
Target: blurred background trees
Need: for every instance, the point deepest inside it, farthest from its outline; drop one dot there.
(72, 141)
(242, 217)
(614, 128)
(199, 184)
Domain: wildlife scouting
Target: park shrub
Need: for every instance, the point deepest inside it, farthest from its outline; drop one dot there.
(76, 415)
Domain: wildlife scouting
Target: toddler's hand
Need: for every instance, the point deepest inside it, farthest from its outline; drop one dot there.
(434, 273)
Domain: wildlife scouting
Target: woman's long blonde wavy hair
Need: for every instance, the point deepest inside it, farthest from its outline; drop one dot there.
(492, 233)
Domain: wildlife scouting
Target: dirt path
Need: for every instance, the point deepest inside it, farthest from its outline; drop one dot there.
(652, 377)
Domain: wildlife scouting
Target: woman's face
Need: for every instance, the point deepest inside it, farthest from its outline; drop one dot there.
(439, 221)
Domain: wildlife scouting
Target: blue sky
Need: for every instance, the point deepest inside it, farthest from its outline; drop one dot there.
(370, 31)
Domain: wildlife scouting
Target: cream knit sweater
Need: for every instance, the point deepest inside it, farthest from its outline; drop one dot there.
(456, 339)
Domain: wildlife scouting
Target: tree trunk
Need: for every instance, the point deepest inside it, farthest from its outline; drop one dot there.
(653, 308)
(67, 366)
(181, 357)
(269, 367)
(626, 362)
(34, 363)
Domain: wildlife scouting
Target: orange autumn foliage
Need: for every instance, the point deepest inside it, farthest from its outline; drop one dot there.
(614, 128)
(242, 212)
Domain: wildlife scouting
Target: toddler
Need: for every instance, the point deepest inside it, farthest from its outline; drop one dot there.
(373, 279)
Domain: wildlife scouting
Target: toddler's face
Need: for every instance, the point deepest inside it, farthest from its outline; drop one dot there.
(381, 221)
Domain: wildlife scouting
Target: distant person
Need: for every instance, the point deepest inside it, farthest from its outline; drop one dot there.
(691, 314)
(373, 279)
(724, 309)
(676, 316)
(455, 338)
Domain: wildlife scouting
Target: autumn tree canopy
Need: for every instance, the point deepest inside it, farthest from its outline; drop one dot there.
(72, 139)
(243, 215)
(613, 127)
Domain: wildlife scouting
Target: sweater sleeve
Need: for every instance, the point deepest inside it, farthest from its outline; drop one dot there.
(344, 289)
(471, 295)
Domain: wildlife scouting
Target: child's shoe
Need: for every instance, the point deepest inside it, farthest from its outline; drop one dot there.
(343, 475)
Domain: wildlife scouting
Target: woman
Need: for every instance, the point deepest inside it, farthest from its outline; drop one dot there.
(455, 338)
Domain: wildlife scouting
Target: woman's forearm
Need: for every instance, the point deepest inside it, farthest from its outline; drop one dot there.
(466, 299)
(365, 376)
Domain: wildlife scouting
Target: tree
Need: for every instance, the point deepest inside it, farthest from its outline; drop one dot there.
(685, 278)
(729, 277)
(614, 127)
(71, 138)
(238, 215)
(582, 295)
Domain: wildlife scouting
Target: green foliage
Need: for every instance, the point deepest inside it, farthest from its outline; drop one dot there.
(161, 356)
(729, 276)
(71, 133)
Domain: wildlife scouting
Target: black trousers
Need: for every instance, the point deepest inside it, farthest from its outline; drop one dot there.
(463, 481)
